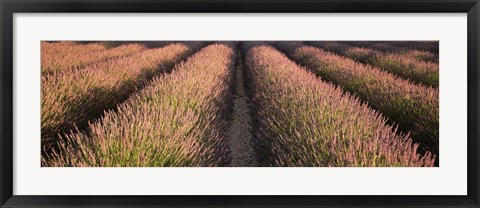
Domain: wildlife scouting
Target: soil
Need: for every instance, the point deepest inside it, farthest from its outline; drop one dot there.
(240, 136)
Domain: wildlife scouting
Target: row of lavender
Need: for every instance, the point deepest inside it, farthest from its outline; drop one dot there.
(70, 56)
(71, 98)
(414, 108)
(304, 121)
(405, 63)
(423, 50)
(176, 121)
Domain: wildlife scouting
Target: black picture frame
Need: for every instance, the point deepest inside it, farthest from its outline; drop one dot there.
(9, 7)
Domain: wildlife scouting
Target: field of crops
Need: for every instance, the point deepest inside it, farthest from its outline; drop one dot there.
(240, 104)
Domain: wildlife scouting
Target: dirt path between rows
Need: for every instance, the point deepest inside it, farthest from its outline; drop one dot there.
(240, 136)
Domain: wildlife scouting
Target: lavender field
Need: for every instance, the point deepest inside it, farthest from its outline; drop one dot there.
(240, 104)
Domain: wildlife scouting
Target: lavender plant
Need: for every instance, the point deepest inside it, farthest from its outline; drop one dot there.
(70, 99)
(406, 66)
(178, 120)
(71, 58)
(415, 108)
(304, 121)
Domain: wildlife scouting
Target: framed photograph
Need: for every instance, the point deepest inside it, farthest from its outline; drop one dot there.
(268, 103)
